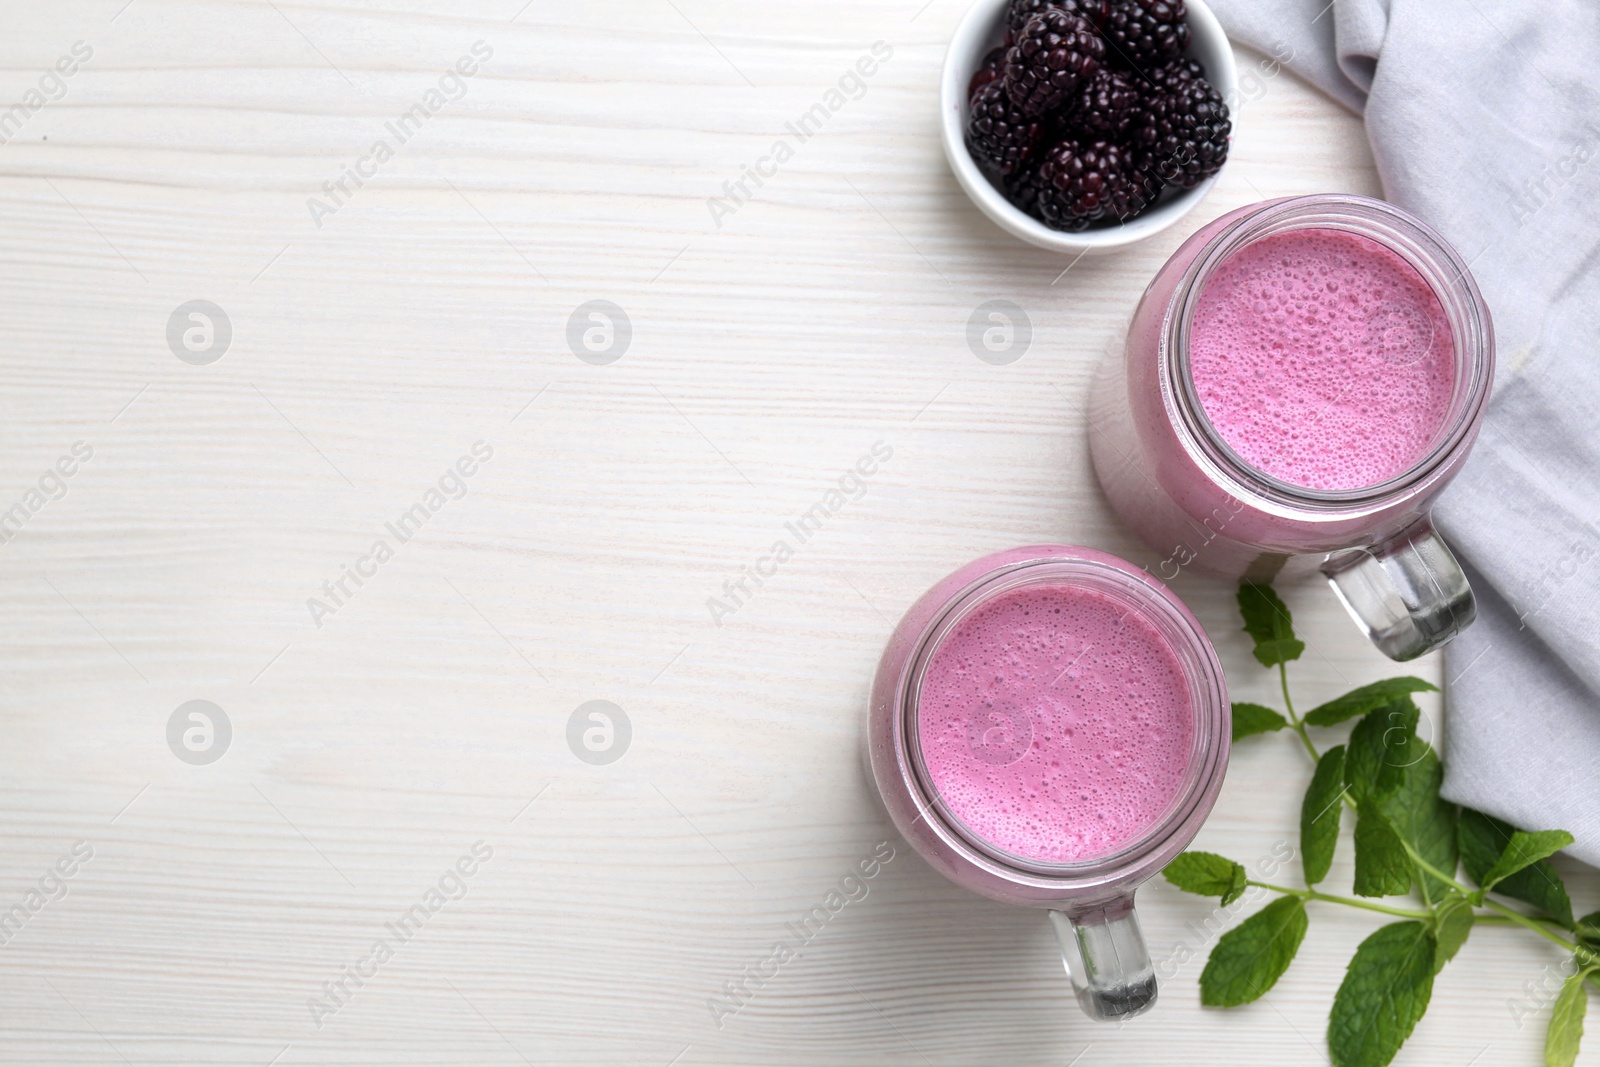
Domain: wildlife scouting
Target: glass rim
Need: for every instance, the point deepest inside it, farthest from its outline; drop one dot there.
(1434, 259)
(1189, 645)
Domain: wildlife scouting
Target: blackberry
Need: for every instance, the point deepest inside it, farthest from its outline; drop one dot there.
(1028, 191)
(1107, 103)
(1141, 34)
(1020, 11)
(999, 135)
(1181, 136)
(1172, 75)
(989, 70)
(1090, 181)
(1053, 55)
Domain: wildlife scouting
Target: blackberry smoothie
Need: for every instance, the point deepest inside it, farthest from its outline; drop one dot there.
(1323, 359)
(1049, 726)
(1055, 724)
(1301, 380)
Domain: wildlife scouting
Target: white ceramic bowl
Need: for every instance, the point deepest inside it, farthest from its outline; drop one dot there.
(981, 30)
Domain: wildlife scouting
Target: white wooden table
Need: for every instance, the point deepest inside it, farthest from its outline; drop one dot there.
(429, 710)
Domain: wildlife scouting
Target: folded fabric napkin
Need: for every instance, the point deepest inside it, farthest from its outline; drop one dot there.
(1484, 120)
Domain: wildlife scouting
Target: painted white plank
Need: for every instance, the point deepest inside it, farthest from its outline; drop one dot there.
(428, 313)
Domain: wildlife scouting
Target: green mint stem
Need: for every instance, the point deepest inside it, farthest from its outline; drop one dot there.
(1351, 902)
(1437, 873)
(1493, 905)
(1294, 720)
(1506, 915)
(1299, 727)
(1501, 920)
(1532, 924)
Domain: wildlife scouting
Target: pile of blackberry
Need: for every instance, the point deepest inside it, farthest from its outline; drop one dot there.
(1089, 110)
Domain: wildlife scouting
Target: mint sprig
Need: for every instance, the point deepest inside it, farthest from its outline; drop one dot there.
(1407, 840)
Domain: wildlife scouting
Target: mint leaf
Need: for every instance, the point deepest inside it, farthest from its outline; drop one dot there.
(1249, 719)
(1383, 869)
(1250, 958)
(1482, 838)
(1235, 891)
(1319, 815)
(1367, 698)
(1394, 777)
(1588, 929)
(1522, 851)
(1566, 1023)
(1381, 747)
(1424, 821)
(1208, 875)
(1385, 991)
(1267, 621)
(1452, 923)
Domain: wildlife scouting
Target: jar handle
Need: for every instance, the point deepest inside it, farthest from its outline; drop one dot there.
(1106, 958)
(1408, 593)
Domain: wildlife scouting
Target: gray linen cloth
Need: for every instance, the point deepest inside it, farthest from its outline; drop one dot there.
(1484, 118)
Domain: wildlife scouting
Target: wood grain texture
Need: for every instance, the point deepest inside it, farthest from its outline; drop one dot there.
(429, 313)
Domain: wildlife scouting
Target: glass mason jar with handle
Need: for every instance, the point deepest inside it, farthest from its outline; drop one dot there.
(1174, 478)
(1049, 727)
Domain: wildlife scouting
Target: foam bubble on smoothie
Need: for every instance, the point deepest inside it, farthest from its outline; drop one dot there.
(1322, 358)
(1055, 724)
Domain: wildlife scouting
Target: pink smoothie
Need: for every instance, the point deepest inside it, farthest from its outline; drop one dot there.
(1323, 359)
(1055, 724)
